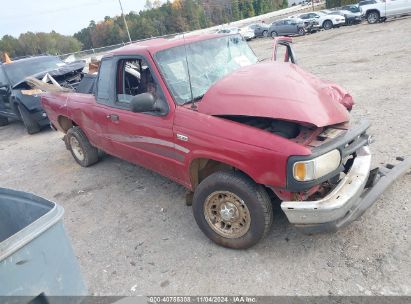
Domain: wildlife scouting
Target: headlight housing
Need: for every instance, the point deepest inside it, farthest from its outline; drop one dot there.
(317, 167)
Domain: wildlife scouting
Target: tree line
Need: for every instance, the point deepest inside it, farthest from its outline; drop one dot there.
(157, 19)
(160, 19)
(39, 43)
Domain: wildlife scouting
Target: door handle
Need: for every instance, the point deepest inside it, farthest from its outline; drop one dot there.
(113, 117)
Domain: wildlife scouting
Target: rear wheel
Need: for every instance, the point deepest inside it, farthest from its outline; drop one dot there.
(373, 17)
(274, 34)
(232, 210)
(265, 33)
(31, 125)
(3, 121)
(327, 25)
(80, 147)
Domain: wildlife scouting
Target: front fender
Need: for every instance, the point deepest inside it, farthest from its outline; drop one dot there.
(31, 102)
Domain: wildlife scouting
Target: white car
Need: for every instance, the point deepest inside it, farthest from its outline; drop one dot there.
(247, 32)
(325, 21)
(375, 12)
(351, 16)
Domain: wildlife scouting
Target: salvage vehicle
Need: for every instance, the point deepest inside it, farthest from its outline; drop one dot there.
(381, 10)
(18, 100)
(239, 134)
(260, 29)
(325, 21)
(286, 27)
(352, 14)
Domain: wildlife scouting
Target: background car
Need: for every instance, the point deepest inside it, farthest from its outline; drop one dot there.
(380, 11)
(19, 101)
(352, 16)
(247, 32)
(324, 20)
(260, 29)
(286, 27)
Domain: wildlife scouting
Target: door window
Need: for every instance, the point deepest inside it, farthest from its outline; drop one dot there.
(104, 82)
(134, 77)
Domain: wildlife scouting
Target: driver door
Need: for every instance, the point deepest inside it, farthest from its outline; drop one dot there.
(142, 138)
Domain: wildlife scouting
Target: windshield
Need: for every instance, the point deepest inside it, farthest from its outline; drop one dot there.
(208, 61)
(17, 71)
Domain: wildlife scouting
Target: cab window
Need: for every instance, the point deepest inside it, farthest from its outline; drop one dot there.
(134, 77)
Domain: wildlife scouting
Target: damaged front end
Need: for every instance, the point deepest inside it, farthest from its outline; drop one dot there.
(29, 78)
(342, 194)
(66, 78)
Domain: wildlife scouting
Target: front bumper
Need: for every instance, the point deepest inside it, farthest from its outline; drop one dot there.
(339, 22)
(354, 194)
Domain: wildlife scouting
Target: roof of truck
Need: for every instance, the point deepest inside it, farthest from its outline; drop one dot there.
(157, 44)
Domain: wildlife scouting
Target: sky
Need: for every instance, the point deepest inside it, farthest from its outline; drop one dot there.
(64, 16)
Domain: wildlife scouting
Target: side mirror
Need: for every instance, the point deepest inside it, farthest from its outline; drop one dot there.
(142, 103)
(285, 44)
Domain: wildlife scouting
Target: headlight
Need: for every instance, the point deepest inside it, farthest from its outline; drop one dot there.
(316, 167)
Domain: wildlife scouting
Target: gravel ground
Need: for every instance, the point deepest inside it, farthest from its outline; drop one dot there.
(133, 234)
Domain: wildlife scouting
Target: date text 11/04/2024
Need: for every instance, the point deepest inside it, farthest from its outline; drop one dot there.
(202, 299)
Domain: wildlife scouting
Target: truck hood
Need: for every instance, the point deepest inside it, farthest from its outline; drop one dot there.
(277, 90)
(59, 74)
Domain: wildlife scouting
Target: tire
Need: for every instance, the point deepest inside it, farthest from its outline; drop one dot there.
(273, 34)
(373, 17)
(265, 33)
(3, 121)
(81, 149)
(327, 24)
(242, 198)
(31, 125)
(301, 31)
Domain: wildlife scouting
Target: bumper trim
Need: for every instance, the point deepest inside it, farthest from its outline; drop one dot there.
(326, 216)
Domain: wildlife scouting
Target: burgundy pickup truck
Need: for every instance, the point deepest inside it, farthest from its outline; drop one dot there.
(240, 134)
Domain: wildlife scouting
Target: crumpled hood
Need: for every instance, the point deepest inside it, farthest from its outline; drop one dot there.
(278, 90)
(75, 66)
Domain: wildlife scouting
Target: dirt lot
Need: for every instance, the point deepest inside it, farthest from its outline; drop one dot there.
(133, 234)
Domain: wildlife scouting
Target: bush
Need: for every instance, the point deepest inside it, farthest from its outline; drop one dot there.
(338, 3)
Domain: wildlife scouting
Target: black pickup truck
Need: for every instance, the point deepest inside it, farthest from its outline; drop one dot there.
(18, 100)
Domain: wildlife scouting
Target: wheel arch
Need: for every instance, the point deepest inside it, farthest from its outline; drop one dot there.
(371, 10)
(326, 21)
(65, 123)
(202, 167)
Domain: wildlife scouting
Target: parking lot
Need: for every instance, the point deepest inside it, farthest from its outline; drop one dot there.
(133, 233)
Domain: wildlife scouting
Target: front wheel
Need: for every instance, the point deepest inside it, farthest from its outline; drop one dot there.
(31, 125)
(301, 31)
(274, 34)
(373, 17)
(80, 147)
(327, 25)
(265, 33)
(232, 210)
